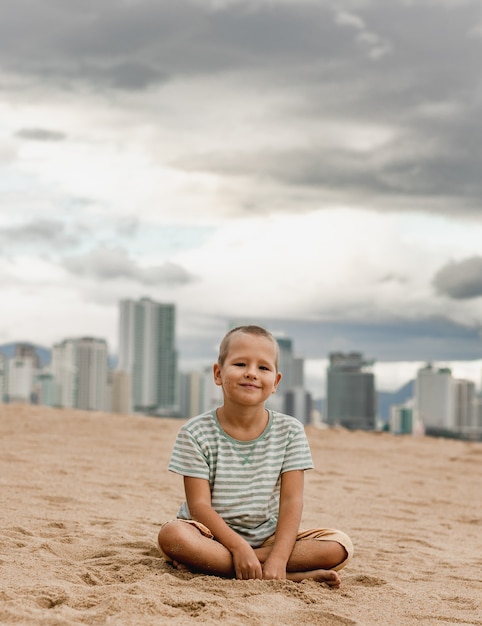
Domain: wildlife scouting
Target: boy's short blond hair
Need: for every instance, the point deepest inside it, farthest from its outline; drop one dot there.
(249, 329)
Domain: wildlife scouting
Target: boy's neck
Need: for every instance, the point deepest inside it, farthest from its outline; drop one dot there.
(243, 423)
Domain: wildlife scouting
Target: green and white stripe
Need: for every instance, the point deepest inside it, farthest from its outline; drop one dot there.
(244, 476)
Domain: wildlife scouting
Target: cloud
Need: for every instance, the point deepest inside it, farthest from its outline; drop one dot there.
(460, 280)
(306, 91)
(40, 134)
(112, 263)
(376, 46)
(50, 233)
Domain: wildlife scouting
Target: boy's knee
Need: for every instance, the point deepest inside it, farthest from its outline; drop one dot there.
(172, 534)
(168, 531)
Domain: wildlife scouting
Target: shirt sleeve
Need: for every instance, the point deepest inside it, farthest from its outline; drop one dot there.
(187, 457)
(298, 453)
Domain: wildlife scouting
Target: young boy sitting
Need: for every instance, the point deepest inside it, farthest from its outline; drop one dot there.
(243, 468)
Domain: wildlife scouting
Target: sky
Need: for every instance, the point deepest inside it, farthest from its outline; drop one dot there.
(314, 166)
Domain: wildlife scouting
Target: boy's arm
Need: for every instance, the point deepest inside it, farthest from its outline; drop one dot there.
(198, 497)
(290, 510)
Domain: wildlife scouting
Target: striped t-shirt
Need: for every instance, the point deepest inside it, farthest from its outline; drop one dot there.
(244, 476)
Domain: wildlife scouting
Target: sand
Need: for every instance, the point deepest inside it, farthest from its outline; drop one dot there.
(83, 495)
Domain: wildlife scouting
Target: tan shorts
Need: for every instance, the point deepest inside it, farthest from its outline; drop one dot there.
(319, 534)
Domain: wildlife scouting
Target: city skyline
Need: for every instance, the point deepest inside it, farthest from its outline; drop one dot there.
(390, 375)
(312, 165)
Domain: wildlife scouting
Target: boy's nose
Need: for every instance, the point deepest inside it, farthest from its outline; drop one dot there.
(251, 372)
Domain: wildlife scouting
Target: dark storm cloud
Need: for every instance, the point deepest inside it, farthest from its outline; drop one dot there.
(179, 37)
(410, 67)
(430, 338)
(300, 41)
(462, 280)
(109, 263)
(379, 174)
(40, 134)
(52, 233)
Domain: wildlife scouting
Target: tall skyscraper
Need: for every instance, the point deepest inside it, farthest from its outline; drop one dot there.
(3, 376)
(92, 371)
(80, 370)
(464, 405)
(350, 392)
(121, 384)
(20, 375)
(446, 404)
(147, 351)
(285, 363)
(434, 398)
(299, 403)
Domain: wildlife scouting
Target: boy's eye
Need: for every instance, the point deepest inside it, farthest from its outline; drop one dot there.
(263, 367)
(239, 364)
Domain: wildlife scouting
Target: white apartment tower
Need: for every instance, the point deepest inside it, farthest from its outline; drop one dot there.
(147, 352)
(20, 376)
(464, 405)
(64, 370)
(93, 368)
(434, 398)
(80, 370)
(3, 376)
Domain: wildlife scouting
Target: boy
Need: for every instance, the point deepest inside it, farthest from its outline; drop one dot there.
(243, 469)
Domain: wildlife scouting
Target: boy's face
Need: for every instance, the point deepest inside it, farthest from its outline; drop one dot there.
(248, 376)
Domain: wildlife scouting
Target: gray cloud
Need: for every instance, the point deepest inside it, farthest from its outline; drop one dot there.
(185, 37)
(360, 63)
(127, 227)
(111, 263)
(40, 134)
(382, 175)
(53, 233)
(462, 280)
(430, 338)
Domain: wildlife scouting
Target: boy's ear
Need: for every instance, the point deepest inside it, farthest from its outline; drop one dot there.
(279, 376)
(217, 374)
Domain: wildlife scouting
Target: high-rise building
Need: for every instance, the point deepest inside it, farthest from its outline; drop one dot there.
(285, 363)
(27, 349)
(401, 419)
(350, 392)
(20, 377)
(191, 393)
(299, 403)
(121, 401)
(211, 395)
(92, 371)
(464, 405)
(64, 370)
(477, 428)
(147, 351)
(434, 398)
(444, 404)
(80, 370)
(44, 388)
(3, 377)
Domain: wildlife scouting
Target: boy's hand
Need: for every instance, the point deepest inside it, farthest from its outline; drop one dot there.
(246, 563)
(274, 569)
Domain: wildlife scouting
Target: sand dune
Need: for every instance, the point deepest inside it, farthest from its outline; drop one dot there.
(83, 495)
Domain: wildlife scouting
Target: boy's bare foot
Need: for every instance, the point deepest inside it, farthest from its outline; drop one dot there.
(328, 576)
(180, 566)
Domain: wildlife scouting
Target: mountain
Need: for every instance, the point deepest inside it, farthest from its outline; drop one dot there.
(386, 399)
(44, 354)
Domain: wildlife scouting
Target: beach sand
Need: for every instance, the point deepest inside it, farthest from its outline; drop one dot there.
(83, 495)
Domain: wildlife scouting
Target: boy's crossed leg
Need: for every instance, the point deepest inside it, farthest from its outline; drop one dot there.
(316, 555)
